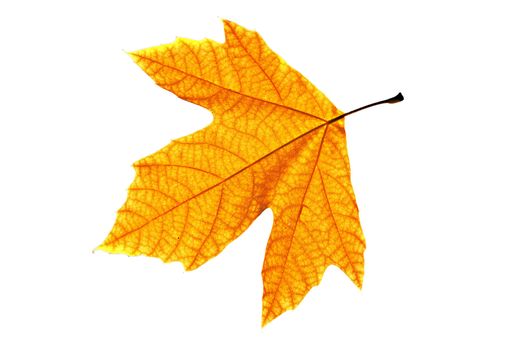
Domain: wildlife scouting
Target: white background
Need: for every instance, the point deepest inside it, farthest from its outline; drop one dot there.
(440, 178)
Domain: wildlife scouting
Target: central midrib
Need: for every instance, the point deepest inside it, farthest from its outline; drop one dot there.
(331, 121)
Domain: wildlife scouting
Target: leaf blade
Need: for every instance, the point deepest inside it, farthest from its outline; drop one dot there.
(272, 143)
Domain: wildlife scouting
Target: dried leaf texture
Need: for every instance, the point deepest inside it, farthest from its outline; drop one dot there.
(272, 144)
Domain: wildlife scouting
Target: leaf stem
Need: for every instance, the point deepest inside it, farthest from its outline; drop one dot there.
(398, 98)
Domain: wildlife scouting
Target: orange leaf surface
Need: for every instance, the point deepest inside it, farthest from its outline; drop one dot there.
(275, 142)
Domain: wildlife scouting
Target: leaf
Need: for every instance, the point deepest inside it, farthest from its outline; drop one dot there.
(276, 142)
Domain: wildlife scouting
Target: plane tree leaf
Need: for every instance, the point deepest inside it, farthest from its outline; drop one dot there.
(275, 142)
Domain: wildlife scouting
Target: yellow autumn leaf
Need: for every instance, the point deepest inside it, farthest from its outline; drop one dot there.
(275, 142)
